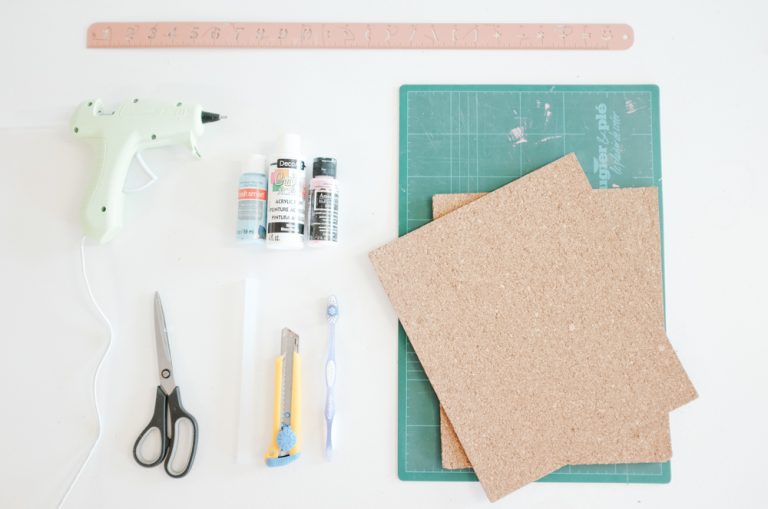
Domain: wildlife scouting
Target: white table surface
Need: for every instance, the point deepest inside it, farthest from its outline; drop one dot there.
(710, 60)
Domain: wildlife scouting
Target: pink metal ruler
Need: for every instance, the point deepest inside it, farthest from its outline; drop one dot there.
(503, 36)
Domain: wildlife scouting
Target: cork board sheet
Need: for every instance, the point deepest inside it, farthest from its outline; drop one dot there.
(452, 453)
(531, 420)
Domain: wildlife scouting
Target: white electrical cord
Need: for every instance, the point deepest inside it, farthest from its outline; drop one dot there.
(152, 180)
(103, 316)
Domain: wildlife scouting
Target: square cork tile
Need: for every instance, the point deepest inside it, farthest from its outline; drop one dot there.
(498, 299)
(452, 453)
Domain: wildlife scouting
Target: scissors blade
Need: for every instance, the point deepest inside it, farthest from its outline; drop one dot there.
(164, 364)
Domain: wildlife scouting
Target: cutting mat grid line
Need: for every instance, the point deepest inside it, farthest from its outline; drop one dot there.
(459, 139)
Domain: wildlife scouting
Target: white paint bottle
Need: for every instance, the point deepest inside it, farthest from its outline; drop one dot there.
(286, 199)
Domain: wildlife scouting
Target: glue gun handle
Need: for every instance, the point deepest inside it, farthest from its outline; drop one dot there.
(103, 212)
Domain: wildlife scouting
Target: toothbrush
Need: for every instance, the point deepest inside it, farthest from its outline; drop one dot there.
(332, 315)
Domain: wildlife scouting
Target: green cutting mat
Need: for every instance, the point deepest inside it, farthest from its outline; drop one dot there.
(467, 139)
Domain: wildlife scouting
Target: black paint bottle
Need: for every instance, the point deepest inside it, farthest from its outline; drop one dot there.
(323, 203)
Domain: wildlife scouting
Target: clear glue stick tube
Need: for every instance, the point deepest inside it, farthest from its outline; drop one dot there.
(286, 200)
(323, 203)
(252, 201)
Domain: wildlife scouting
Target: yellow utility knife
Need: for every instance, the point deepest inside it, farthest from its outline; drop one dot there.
(286, 423)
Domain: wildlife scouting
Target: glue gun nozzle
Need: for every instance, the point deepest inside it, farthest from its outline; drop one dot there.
(208, 117)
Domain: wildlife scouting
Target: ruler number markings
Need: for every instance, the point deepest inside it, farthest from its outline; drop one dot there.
(361, 35)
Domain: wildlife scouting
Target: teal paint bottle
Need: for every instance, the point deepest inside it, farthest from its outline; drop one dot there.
(252, 202)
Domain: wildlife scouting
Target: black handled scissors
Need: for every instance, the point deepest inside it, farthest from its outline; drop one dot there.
(177, 428)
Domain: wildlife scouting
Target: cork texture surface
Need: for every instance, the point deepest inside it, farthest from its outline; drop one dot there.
(453, 456)
(537, 314)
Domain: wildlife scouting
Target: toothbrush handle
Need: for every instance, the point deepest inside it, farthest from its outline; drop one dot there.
(330, 376)
(329, 438)
(330, 399)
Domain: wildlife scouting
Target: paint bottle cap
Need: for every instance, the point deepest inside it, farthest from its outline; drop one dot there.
(324, 167)
(256, 163)
(289, 144)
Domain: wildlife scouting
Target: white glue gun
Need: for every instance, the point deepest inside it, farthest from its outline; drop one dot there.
(133, 126)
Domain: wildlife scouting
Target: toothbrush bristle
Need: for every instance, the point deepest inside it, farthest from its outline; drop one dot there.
(332, 310)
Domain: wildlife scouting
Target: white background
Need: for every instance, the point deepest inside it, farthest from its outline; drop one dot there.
(709, 59)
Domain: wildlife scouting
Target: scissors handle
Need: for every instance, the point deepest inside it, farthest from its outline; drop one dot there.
(159, 423)
(179, 439)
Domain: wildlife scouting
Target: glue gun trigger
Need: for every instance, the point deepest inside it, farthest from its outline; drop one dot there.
(193, 146)
(152, 176)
